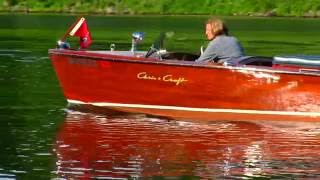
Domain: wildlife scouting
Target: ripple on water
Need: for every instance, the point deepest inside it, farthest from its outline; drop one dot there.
(7, 176)
(21, 56)
(43, 154)
(25, 60)
(13, 53)
(8, 55)
(14, 50)
(18, 172)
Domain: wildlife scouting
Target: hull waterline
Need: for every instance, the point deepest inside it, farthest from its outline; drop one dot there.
(195, 114)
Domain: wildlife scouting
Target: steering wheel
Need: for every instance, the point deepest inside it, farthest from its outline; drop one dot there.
(151, 51)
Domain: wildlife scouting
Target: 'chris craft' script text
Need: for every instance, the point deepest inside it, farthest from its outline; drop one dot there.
(165, 78)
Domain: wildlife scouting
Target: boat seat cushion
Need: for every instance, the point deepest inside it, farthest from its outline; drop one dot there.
(251, 60)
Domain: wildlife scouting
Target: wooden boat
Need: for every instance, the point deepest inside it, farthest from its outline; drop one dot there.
(252, 88)
(171, 84)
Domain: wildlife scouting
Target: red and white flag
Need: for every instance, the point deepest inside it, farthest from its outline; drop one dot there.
(80, 29)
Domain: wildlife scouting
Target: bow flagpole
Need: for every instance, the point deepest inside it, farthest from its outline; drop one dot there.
(66, 34)
(81, 30)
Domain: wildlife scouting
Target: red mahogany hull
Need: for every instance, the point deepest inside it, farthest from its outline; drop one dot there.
(187, 90)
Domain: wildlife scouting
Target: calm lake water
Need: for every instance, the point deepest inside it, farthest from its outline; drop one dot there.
(42, 139)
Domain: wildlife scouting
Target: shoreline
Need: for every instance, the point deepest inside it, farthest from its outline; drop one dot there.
(247, 8)
(257, 15)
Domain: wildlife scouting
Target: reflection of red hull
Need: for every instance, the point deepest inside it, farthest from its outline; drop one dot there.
(94, 146)
(186, 89)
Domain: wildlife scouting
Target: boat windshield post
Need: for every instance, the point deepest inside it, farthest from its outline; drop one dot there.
(137, 37)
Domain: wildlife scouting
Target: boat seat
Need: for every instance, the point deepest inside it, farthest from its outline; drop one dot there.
(251, 60)
(180, 56)
(311, 61)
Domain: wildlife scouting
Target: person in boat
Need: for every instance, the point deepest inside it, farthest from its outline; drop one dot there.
(221, 47)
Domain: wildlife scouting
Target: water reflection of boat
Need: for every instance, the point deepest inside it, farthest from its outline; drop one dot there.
(94, 146)
(171, 84)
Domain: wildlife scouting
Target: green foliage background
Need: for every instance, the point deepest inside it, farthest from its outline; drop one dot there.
(310, 8)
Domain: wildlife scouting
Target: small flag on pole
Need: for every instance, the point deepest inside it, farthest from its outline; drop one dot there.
(80, 29)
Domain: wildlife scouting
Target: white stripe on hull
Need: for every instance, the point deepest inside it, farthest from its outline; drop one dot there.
(236, 111)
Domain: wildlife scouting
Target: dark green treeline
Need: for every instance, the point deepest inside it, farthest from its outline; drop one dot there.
(300, 8)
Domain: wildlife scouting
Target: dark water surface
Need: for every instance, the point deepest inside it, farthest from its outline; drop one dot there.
(41, 139)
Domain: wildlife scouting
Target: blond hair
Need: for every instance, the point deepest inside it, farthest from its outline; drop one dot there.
(218, 26)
